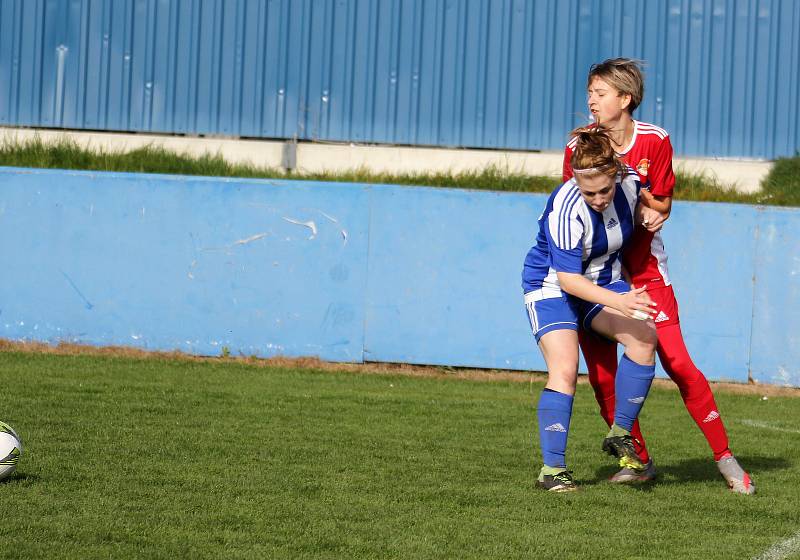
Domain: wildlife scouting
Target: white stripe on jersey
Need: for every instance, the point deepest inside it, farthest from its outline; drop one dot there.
(629, 186)
(569, 240)
(567, 202)
(647, 128)
(613, 234)
(573, 141)
(659, 252)
(588, 243)
(568, 206)
(614, 239)
(551, 287)
(638, 128)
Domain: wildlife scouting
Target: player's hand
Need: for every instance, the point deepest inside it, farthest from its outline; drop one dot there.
(637, 304)
(652, 220)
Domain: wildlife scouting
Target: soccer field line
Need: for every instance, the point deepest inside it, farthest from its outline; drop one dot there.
(783, 549)
(767, 426)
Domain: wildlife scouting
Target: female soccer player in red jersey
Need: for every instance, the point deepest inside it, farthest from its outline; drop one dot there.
(615, 90)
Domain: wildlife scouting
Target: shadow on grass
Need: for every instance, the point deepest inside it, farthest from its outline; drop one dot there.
(20, 478)
(696, 470)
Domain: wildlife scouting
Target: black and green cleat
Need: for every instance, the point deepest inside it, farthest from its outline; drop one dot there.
(620, 445)
(555, 480)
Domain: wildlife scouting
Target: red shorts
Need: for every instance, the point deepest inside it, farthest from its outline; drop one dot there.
(666, 306)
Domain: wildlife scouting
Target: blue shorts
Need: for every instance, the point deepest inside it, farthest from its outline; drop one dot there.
(551, 313)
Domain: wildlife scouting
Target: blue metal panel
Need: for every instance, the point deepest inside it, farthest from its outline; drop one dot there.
(711, 250)
(776, 321)
(386, 273)
(444, 275)
(191, 264)
(723, 76)
(444, 282)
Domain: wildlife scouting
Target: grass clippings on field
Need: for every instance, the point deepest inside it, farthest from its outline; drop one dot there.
(412, 370)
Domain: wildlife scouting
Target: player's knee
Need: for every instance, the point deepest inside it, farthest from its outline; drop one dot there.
(562, 379)
(648, 338)
(641, 346)
(565, 372)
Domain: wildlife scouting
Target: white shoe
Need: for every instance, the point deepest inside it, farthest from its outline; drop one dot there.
(627, 474)
(736, 477)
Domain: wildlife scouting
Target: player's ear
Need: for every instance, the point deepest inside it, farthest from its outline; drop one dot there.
(624, 100)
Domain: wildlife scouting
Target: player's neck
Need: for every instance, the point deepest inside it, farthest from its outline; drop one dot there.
(620, 132)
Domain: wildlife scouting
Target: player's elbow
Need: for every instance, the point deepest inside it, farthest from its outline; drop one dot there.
(568, 281)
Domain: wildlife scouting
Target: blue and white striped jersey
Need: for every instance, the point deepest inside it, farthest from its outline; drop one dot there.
(575, 238)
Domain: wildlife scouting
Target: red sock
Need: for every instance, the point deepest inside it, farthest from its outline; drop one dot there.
(696, 393)
(601, 361)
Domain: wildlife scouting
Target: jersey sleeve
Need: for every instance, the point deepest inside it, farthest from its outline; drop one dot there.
(660, 175)
(566, 167)
(565, 236)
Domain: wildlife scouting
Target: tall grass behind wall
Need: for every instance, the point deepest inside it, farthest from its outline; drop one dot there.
(780, 188)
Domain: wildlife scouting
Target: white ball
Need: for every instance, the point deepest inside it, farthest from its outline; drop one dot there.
(10, 450)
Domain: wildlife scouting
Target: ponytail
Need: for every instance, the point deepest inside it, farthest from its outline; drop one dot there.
(593, 153)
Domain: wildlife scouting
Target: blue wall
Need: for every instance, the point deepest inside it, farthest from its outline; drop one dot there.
(723, 76)
(351, 272)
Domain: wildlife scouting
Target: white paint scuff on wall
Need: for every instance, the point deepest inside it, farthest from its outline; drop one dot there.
(335, 221)
(250, 239)
(310, 224)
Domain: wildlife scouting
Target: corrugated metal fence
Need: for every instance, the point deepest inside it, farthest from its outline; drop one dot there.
(723, 75)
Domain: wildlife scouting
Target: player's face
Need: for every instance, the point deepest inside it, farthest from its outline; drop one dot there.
(597, 190)
(605, 101)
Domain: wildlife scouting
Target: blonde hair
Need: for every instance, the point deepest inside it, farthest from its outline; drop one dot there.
(624, 74)
(593, 153)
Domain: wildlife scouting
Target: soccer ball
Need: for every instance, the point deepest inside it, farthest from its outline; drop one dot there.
(10, 450)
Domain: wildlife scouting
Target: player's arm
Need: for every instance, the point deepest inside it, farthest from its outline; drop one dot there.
(635, 304)
(652, 220)
(660, 204)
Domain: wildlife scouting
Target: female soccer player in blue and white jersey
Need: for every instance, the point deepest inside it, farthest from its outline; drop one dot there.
(573, 273)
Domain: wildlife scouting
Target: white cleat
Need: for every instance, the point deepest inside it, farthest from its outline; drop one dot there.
(628, 475)
(738, 480)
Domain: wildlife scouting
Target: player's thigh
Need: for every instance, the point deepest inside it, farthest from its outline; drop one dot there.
(560, 350)
(628, 332)
(554, 323)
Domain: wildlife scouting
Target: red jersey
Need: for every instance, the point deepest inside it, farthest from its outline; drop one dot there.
(650, 155)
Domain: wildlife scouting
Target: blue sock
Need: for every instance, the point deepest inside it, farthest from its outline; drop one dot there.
(554, 413)
(632, 385)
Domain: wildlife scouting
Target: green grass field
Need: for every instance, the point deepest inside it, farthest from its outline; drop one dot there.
(158, 458)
